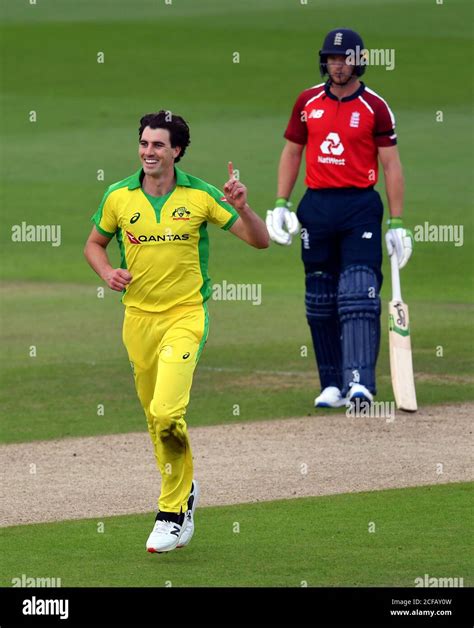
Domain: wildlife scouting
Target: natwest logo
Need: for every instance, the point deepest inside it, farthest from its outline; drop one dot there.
(332, 145)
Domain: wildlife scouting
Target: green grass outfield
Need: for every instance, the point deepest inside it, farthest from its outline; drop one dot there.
(81, 363)
(323, 541)
(179, 57)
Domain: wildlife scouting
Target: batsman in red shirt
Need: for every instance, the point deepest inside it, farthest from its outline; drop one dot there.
(346, 128)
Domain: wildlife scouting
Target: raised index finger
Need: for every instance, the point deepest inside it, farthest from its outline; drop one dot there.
(230, 168)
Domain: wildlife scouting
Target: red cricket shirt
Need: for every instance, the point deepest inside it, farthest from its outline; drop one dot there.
(341, 136)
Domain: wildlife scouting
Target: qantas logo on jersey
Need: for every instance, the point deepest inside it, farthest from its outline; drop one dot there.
(169, 237)
(132, 239)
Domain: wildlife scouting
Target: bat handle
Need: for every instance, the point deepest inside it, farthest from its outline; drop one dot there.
(396, 289)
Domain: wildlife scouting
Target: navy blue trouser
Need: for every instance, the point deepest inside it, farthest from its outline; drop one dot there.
(341, 244)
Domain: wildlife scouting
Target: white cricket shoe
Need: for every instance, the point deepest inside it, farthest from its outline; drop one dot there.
(188, 526)
(359, 396)
(330, 397)
(166, 533)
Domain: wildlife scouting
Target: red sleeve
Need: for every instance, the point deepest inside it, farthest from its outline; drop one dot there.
(384, 130)
(297, 131)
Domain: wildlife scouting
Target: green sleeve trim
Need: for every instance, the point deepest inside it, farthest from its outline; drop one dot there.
(103, 232)
(230, 222)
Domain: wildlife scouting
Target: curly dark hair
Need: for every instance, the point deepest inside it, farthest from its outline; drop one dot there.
(176, 125)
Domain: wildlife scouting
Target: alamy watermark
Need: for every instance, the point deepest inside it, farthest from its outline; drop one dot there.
(360, 409)
(37, 233)
(237, 292)
(427, 581)
(439, 233)
(25, 581)
(38, 606)
(371, 56)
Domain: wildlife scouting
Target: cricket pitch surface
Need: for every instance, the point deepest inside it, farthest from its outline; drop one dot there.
(322, 454)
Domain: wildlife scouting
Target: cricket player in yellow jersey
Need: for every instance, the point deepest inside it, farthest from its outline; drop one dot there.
(159, 216)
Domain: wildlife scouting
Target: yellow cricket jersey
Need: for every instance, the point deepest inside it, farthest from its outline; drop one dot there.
(163, 240)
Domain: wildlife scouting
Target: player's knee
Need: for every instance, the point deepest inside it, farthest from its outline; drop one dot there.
(162, 416)
(166, 421)
(320, 297)
(358, 292)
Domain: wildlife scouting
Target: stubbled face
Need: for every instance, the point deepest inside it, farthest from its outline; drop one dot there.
(338, 69)
(155, 151)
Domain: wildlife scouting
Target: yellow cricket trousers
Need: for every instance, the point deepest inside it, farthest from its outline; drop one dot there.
(164, 349)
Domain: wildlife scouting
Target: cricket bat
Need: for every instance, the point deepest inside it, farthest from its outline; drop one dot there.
(401, 364)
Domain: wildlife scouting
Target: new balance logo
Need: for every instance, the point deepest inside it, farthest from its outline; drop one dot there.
(338, 39)
(176, 531)
(316, 113)
(367, 235)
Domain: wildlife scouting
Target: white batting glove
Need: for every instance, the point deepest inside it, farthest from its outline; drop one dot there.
(400, 240)
(280, 218)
